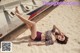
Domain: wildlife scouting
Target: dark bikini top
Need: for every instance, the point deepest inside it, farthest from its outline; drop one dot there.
(48, 38)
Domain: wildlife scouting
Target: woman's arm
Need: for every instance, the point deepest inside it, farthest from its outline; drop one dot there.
(36, 43)
(57, 29)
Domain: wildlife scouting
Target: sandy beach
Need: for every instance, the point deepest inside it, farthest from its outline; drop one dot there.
(66, 18)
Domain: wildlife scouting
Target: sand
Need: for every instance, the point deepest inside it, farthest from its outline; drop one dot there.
(67, 19)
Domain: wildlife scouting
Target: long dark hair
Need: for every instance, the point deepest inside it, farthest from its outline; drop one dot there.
(63, 42)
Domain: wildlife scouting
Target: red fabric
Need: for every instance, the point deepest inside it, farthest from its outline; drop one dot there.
(38, 37)
(35, 13)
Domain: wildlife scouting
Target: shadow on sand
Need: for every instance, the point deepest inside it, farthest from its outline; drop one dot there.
(21, 40)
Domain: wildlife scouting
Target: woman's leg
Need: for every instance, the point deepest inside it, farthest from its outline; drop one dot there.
(29, 23)
(33, 31)
(20, 16)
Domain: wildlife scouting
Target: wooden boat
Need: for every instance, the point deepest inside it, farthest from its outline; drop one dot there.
(16, 24)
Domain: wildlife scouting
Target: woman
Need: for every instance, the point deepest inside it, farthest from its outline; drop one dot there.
(47, 38)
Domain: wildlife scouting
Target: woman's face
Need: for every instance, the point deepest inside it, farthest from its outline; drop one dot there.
(61, 37)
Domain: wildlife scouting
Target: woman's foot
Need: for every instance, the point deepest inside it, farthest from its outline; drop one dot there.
(16, 10)
(18, 13)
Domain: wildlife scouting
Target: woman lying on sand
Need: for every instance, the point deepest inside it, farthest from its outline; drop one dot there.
(47, 38)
